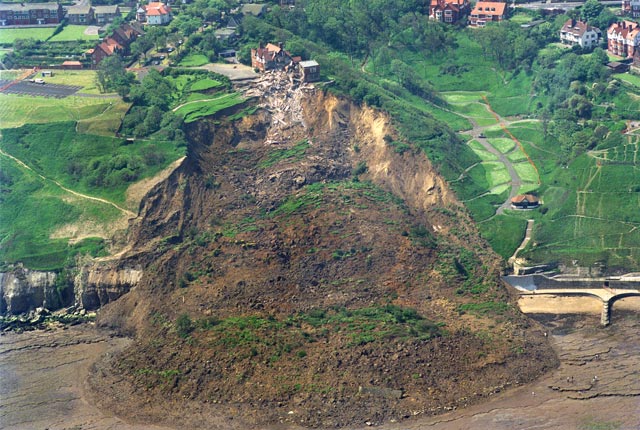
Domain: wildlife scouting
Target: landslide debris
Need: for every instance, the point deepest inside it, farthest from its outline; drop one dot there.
(299, 270)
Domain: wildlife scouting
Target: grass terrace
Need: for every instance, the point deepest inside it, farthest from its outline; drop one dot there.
(194, 60)
(17, 110)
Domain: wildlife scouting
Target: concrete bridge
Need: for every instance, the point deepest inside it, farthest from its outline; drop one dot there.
(541, 285)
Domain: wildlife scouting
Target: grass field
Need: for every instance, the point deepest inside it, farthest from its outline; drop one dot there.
(198, 109)
(33, 209)
(194, 60)
(84, 78)
(73, 32)
(481, 152)
(9, 35)
(17, 110)
(99, 166)
(628, 78)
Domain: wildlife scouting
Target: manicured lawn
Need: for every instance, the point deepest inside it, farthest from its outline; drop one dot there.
(9, 35)
(477, 111)
(503, 145)
(521, 18)
(205, 84)
(481, 152)
(198, 109)
(463, 96)
(85, 78)
(17, 110)
(73, 32)
(629, 78)
(526, 172)
(194, 60)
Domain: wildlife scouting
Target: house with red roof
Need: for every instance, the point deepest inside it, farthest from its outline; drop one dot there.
(623, 38)
(449, 11)
(271, 57)
(525, 201)
(157, 13)
(485, 12)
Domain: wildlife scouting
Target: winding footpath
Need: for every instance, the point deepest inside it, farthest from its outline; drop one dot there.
(477, 134)
(126, 212)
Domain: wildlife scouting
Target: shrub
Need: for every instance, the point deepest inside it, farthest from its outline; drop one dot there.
(184, 326)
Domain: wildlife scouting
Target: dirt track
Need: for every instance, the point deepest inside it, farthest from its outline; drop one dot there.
(43, 375)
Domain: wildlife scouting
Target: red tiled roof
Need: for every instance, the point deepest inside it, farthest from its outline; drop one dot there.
(522, 197)
(157, 9)
(489, 8)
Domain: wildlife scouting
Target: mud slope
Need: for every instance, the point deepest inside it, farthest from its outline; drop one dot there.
(299, 270)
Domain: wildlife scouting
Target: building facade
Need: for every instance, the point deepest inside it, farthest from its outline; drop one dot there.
(449, 11)
(485, 12)
(631, 8)
(157, 13)
(106, 14)
(579, 33)
(30, 13)
(80, 15)
(623, 38)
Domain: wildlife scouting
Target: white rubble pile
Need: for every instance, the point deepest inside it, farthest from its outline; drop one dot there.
(280, 94)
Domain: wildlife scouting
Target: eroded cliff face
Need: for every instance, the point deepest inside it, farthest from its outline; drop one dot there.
(94, 285)
(297, 269)
(23, 290)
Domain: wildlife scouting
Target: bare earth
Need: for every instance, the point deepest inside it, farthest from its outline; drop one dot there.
(597, 386)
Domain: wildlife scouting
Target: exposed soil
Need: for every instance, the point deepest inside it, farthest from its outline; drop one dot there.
(298, 270)
(35, 394)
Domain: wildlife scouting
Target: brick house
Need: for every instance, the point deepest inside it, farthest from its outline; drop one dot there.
(118, 43)
(80, 15)
(30, 13)
(579, 33)
(270, 57)
(449, 11)
(106, 14)
(485, 12)
(623, 38)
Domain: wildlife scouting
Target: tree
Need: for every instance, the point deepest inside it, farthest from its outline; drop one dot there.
(591, 10)
(112, 76)
(140, 47)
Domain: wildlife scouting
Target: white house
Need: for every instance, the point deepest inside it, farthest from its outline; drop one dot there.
(579, 33)
(157, 13)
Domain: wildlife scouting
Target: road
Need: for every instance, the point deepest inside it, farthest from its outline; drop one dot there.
(563, 5)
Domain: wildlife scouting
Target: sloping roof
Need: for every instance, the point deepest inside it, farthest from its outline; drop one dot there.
(455, 5)
(71, 63)
(25, 7)
(530, 198)
(109, 9)
(256, 9)
(157, 9)
(577, 28)
(489, 8)
(625, 29)
(78, 10)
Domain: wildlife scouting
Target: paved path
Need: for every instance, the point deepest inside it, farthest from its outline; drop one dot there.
(477, 134)
(525, 241)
